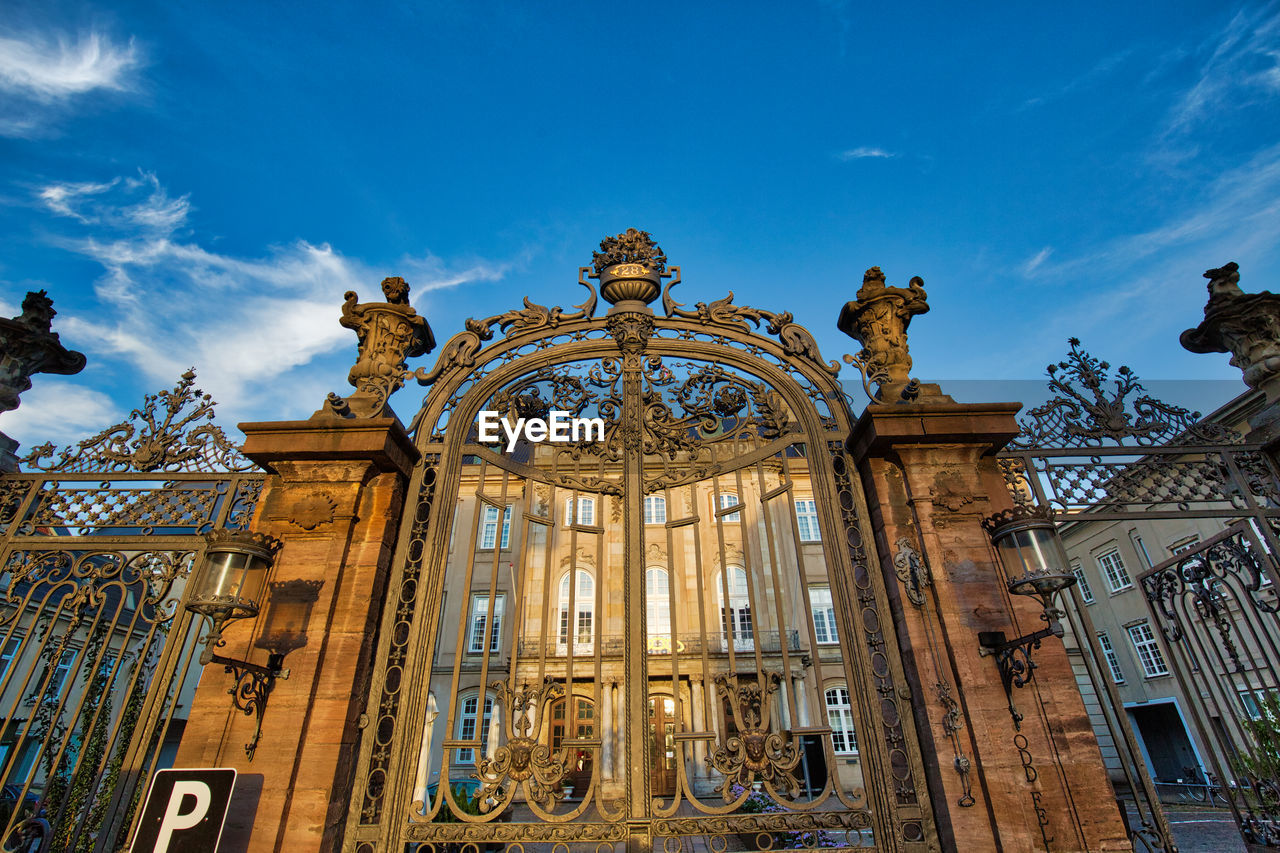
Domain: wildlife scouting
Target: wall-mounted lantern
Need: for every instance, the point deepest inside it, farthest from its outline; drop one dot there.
(229, 583)
(1032, 557)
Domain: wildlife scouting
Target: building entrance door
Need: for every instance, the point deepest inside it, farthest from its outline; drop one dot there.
(574, 720)
(662, 745)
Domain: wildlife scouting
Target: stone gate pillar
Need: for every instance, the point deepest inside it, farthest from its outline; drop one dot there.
(928, 468)
(334, 499)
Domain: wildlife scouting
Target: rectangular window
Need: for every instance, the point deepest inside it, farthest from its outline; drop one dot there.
(1114, 571)
(655, 509)
(1185, 545)
(807, 520)
(1149, 654)
(586, 512)
(6, 657)
(824, 616)
(840, 718)
(480, 616)
(739, 618)
(1086, 592)
(1113, 660)
(489, 527)
(728, 499)
(1141, 548)
(56, 678)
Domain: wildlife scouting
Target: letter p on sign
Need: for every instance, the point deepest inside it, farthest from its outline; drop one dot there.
(185, 810)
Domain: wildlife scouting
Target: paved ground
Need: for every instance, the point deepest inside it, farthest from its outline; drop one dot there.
(1199, 829)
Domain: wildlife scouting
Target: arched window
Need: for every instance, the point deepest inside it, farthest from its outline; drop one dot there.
(657, 599)
(840, 718)
(586, 512)
(467, 726)
(728, 499)
(738, 612)
(655, 509)
(584, 605)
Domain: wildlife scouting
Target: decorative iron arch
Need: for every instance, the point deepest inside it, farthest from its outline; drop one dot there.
(689, 399)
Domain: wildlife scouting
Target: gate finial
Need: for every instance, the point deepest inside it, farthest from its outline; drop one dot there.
(630, 267)
(878, 320)
(1247, 325)
(28, 345)
(388, 332)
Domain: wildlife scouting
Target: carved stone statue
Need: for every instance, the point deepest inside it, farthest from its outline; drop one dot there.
(28, 345)
(1247, 325)
(389, 332)
(878, 320)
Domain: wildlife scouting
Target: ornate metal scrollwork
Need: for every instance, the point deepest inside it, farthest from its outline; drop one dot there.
(1085, 414)
(1209, 585)
(252, 688)
(161, 436)
(755, 752)
(796, 340)
(911, 571)
(523, 759)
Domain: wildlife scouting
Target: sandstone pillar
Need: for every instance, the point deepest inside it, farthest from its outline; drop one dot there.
(931, 478)
(334, 498)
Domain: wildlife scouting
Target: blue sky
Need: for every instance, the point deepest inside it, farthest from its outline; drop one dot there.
(198, 184)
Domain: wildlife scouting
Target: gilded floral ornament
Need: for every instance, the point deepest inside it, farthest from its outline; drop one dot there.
(878, 319)
(161, 436)
(388, 333)
(631, 247)
(754, 752)
(523, 759)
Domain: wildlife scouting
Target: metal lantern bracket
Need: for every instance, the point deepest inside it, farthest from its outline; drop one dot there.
(253, 687)
(228, 585)
(1013, 656)
(1026, 539)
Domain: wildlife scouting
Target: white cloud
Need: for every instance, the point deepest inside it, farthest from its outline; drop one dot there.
(1036, 260)
(248, 324)
(1100, 69)
(1155, 274)
(44, 75)
(865, 151)
(59, 198)
(1243, 65)
(50, 69)
(58, 410)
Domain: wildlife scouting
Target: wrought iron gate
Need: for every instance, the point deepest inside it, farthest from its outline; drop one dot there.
(96, 543)
(1097, 457)
(678, 630)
